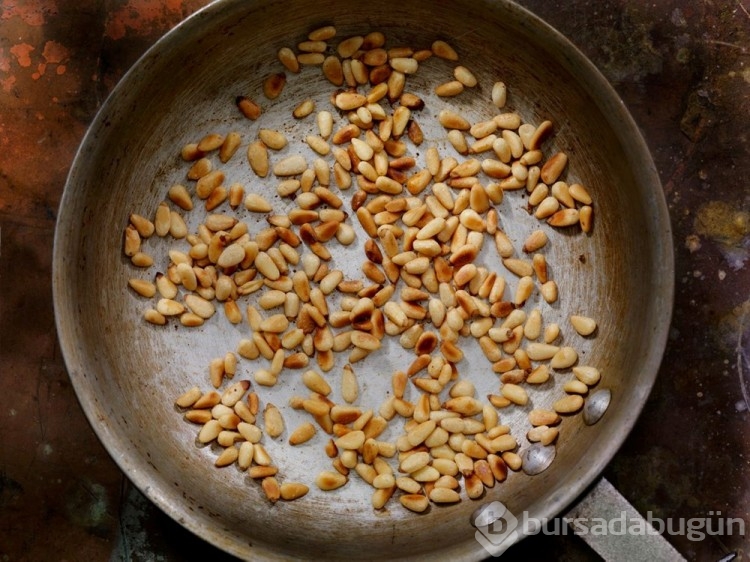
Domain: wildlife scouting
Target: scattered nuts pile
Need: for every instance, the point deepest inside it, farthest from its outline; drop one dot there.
(422, 279)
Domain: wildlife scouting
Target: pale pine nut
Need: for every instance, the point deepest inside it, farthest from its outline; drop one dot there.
(583, 324)
(515, 394)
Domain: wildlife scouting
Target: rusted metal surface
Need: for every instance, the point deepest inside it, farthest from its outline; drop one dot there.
(680, 67)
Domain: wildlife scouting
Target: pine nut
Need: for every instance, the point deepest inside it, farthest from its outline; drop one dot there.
(302, 434)
(266, 266)
(499, 94)
(290, 166)
(579, 193)
(415, 502)
(404, 65)
(444, 495)
(351, 441)
(234, 393)
(273, 85)
(257, 156)
(549, 291)
(248, 107)
(287, 57)
(587, 374)
(541, 351)
(444, 50)
(568, 405)
(585, 217)
(554, 167)
(523, 290)
(381, 496)
(515, 394)
(561, 192)
(520, 267)
(575, 387)
(290, 491)
(451, 120)
(584, 325)
(564, 217)
(535, 241)
(541, 417)
(315, 382)
(329, 480)
(465, 76)
(564, 358)
(449, 89)
(551, 332)
(539, 264)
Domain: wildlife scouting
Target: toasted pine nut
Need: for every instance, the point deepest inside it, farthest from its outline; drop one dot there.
(304, 109)
(564, 358)
(302, 434)
(351, 441)
(444, 50)
(405, 65)
(257, 156)
(554, 167)
(541, 351)
(290, 166)
(234, 393)
(292, 490)
(575, 387)
(524, 290)
(189, 398)
(444, 495)
(539, 264)
(587, 375)
(515, 394)
(465, 76)
(329, 480)
(415, 502)
(568, 405)
(248, 107)
(449, 89)
(315, 382)
(245, 455)
(520, 267)
(287, 57)
(549, 291)
(535, 241)
(564, 217)
(579, 193)
(551, 332)
(273, 85)
(584, 325)
(499, 94)
(503, 244)
(561, 192)
(227, 457)
(585, 217)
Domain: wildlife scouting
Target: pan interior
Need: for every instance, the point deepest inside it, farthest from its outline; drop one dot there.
(127, 373)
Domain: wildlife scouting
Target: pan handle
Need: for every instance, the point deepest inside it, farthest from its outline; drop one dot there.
(605, 502)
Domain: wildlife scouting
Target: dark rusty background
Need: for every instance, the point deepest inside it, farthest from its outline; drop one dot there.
(681, 67)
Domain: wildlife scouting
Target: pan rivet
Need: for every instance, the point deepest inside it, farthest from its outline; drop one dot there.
(596, 405)
(537, 458)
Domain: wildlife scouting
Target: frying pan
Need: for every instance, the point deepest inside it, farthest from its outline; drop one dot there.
(127, 373)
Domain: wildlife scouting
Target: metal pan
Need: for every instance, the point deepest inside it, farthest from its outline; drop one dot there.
(127, 373)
